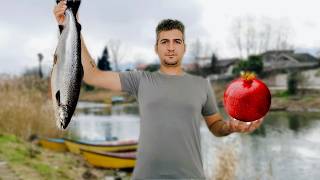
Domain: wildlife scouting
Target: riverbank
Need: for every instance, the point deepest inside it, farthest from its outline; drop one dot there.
(25, 160)
(305, 103)
(25, 109)
(280, 100)
(104, 96)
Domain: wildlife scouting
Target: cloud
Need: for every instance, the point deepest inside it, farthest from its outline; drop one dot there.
(31, 28)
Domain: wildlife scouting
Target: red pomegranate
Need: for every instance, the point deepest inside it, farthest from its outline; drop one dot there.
(247, 98)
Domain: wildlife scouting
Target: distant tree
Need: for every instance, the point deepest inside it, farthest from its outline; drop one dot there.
(199, 50)
(34, 71)
(87, 87)
(318, 54)
(253, 64)
(296, 79)
(214, 61)
(253, 36)
(117, 51)
(292, 83)
(103, 62)
(152, 67)
(40, 57)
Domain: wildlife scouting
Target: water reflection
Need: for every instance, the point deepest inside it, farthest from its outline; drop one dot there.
(286, 146)
(100, 109)
(99, 122)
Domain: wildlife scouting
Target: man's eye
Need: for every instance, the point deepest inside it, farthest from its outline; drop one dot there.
(163, 42)
(178, 42)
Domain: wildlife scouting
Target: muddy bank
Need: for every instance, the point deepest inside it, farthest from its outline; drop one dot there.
(20, 159)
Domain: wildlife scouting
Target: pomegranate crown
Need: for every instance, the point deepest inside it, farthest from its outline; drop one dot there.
(247, 76)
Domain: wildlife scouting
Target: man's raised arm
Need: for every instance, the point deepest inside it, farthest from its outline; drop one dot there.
(94, 76)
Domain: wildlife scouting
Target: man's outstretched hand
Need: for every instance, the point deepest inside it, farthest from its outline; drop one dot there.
(59, 10)
(243, 127)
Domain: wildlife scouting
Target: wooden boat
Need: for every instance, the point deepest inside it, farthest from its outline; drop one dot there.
(55, 144)
(75, 146)
(111, 160)
(117, 99)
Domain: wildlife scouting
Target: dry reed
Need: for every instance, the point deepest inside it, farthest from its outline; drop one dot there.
(226, 164)
(25, 108)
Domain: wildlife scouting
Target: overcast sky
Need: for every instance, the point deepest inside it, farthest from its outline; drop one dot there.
(28, 27)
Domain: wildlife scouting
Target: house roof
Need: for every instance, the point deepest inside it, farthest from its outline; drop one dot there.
(304, 57)
(278, 52)
(226, 62)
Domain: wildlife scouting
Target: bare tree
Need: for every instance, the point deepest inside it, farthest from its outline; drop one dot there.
(236, 34)
(264, 37)
(200, 49)
(282, 37)
(252, 36)
(245, 35)
(117, 52)
(195, 49)
(201, 54)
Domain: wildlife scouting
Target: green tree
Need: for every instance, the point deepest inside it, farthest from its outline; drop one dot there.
(152, 67)
(253, 64)
(214, 61)
(294, 80)
(103, 62)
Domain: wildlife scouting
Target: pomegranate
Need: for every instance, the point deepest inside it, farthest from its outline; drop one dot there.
(247, 98)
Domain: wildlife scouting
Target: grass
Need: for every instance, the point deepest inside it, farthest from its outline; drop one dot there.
(25, 108)
(30, 161)
(102, 96)
(281, 94)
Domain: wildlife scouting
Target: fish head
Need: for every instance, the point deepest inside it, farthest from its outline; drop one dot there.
(64, 115)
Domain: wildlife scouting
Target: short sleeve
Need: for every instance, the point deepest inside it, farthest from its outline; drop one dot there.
(210, 106)
(130, 81)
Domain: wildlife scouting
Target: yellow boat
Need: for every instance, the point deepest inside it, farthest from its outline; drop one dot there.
(111, 160)
(75, 146)
(55, 144)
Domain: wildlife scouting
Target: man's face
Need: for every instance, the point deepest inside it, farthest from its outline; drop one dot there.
(170, 47)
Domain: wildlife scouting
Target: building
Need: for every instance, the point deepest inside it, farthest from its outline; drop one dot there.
(288, 60)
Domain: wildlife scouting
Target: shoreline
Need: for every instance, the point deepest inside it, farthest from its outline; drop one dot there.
(28, 160)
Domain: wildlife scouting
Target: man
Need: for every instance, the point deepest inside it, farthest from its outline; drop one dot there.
(171, 103)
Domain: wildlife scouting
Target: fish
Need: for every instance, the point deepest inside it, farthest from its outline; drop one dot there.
(67, 71)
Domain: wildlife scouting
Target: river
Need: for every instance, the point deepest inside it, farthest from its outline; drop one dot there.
(286, 146)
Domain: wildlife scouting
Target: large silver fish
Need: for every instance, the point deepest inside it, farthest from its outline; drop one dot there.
(67, 71)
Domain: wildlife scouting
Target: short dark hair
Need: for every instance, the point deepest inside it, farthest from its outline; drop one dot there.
(169, 24)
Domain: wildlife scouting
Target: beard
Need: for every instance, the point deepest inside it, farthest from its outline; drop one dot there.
(171, 64)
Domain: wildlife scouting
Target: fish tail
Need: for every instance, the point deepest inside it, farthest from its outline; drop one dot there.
(73, 5)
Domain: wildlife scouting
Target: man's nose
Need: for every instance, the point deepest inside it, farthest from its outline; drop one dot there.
(171, 46)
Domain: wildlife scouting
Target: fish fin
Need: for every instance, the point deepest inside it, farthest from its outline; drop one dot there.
(74, 5)
(78, 27)
(58, 97)
(55, 58)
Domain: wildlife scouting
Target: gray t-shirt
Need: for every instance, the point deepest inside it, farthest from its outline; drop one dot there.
(171, 108)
